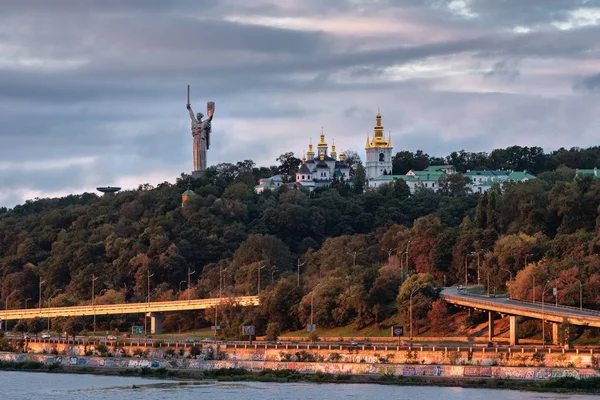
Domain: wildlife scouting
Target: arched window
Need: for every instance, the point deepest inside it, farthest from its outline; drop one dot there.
(381, 157)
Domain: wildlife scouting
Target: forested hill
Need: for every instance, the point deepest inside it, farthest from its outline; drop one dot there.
(354, 245)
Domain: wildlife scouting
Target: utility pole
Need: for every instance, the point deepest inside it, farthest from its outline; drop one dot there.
(273, 269)
(147, 305)
(389, 251)
(312, 303)
(259, 268)
(353, 254)
(40, 302)
(189, 280)
(94, 277)
(407, 257)
(478, 280)
(299, 265)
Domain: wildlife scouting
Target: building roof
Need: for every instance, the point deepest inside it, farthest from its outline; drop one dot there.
(485, 172)
(304, 169)
(438, 168)
(520, 176)
(188, 193)
(341, 165)
(322, 164)
(591, 172)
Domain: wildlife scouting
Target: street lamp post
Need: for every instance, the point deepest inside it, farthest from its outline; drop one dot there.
(6, 307)
(543, 316)
(26, 300)
(40, 297)
(478, 280)
(354, 254)
(466, 268)
(94, 277)
(189, 282)
(412, 292)
(180, 284)
(407, 257)
(312, 303)
(533, 288)
(580, 294)
(221, 270)
(147, 304)
(273, 269)
(389, 252)
(299, 265)
(527, 255)
(259, 268)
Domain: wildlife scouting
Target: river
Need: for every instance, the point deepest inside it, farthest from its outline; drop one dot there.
(33, 385)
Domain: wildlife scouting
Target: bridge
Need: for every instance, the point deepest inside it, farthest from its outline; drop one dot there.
(517, 310)
(151, 309)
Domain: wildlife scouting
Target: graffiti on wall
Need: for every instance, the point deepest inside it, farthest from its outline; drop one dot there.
(341, 368)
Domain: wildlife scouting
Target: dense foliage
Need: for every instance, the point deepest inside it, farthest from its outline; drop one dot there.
(353, 249)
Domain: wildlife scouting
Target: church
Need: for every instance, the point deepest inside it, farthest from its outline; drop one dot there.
(320, 169)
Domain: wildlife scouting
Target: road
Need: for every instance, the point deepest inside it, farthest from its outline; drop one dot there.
(504, 305)
(126, 308)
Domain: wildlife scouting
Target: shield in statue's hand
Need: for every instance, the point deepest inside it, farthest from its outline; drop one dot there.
(210, 108)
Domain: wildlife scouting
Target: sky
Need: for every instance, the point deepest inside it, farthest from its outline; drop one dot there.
(93, 93)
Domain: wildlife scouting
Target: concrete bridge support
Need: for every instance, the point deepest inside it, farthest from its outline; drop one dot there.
(155, 322)
(490, 325)
(555, 333)
(514, 330)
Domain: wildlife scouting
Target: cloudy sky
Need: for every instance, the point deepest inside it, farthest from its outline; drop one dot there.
(93, 92)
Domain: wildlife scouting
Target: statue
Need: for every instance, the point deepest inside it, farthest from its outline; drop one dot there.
(201, 132)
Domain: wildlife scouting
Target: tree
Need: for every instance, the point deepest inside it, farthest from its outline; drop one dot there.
(288, 165)
(439, 317)
(424, 292)
(273, 331)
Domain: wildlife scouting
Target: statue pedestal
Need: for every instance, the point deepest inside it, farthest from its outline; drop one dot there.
(197, 174)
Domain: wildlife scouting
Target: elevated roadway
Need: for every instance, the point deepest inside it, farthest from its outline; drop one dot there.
(152, 309)
(520, 309)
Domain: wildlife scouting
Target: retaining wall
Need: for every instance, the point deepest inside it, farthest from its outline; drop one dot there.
(457, 371)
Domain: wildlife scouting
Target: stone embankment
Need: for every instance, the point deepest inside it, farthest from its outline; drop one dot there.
(338, 368)
(522, 363)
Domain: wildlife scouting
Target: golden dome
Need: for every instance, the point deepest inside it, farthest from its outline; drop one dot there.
(310, 149)
(378, 140)
(322, 142)
(342, 156)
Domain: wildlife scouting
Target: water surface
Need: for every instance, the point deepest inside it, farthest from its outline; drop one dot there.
(33, 385)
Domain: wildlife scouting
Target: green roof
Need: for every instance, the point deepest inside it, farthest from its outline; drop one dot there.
(592, 172)
(520, 176)
(438, 168)
(189, 193)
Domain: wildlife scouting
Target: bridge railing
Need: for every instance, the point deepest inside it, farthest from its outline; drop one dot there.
(547, 304)
(550, 311)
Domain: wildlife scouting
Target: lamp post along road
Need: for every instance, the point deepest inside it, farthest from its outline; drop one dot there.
(40, 297)
(299, 265)
(543, 316)
(259, 268)
(94, 277)
(26, 300)
(189, 281)
(148, 303)
(180, 284)
(312, 303)
(580, 294)
(412, 292)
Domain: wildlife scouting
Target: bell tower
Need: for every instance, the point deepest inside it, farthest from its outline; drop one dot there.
(379, 152)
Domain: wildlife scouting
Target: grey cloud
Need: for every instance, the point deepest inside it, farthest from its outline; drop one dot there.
(125, 104)
(589, 83)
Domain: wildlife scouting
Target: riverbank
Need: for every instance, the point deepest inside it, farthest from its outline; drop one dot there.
(560, 385)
